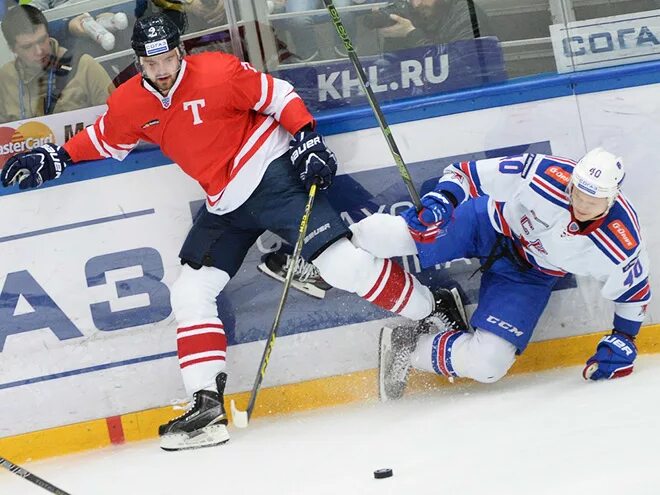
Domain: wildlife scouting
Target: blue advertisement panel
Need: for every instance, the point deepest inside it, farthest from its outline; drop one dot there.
(400, 74)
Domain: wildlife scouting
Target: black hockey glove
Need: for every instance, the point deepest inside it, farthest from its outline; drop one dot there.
(313, 161)
(32, 168)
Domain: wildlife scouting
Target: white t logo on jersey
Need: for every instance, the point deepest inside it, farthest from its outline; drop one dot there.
(195, 105)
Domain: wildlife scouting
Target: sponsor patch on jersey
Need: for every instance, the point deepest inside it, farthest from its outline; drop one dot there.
(559, 174)
(150, 123)
(155, 47)
(622, 234)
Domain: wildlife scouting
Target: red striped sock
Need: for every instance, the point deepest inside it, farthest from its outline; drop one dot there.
(392, 289)
(201, 343)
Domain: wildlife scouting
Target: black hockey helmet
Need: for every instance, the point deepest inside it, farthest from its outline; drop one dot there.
(155, 34)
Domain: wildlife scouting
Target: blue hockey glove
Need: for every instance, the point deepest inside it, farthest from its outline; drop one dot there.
(33, 168)
(614, 357)
(425, 225)
(313, 161)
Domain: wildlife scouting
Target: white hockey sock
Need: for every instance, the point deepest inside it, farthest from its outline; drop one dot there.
(400, 292)
(481, 356)
(434, 352)
(379, 281)
(201, 340)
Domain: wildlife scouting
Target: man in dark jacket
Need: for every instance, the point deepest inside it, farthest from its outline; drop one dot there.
(431, 22)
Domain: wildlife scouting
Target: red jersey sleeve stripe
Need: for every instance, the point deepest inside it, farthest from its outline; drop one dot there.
(630, 211)
(466, 171)
(287, 100)
(93, 136)
(103, 148)
(641, 294)
(295, 115)
(81, 147)
(266, 93)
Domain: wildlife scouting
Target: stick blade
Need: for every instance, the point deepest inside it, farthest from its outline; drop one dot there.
(239, 418)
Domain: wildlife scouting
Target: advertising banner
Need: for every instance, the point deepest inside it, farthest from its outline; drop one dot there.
(23, 135)
(400, 74)
(606, 41)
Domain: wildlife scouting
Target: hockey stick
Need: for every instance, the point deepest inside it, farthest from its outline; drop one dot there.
(24, 473)
(242, 418)
(362, 76)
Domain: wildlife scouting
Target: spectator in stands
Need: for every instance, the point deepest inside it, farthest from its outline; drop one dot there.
(200, 13)
(431, 22)
(45, 78)
(210, 12)
(100, 29)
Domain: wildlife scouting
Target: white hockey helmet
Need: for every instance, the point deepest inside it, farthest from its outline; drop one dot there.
(599, 174)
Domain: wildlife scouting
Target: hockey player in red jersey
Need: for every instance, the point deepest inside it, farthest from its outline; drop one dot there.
(249, 141)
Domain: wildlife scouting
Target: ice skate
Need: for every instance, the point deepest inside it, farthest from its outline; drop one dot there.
(395, 347)
(397, 344)
(306, 277)
(204, 424)
(448, 314)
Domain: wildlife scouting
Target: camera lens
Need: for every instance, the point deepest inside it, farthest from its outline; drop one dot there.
(378, 20)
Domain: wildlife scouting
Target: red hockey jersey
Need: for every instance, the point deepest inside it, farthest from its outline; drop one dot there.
(222, 122)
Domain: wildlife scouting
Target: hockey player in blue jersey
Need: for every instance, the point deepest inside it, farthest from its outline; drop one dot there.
(530, 219)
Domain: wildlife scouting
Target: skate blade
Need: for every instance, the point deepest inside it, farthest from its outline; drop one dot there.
(459, 304)
(207, 437)
(307, 288)
(384, 351)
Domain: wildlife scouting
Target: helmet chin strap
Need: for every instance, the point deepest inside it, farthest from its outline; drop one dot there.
(599, 216)
(153, 85)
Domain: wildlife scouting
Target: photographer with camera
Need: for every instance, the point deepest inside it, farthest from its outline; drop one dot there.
(409, 24)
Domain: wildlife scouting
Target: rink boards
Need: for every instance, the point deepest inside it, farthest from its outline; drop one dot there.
(86, 329)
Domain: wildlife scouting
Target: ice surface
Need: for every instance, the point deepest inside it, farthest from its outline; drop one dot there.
(548, 433)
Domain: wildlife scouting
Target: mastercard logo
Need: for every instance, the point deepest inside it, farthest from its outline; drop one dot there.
(23, 138)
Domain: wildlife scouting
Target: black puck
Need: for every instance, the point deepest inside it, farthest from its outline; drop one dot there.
(379, 474)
